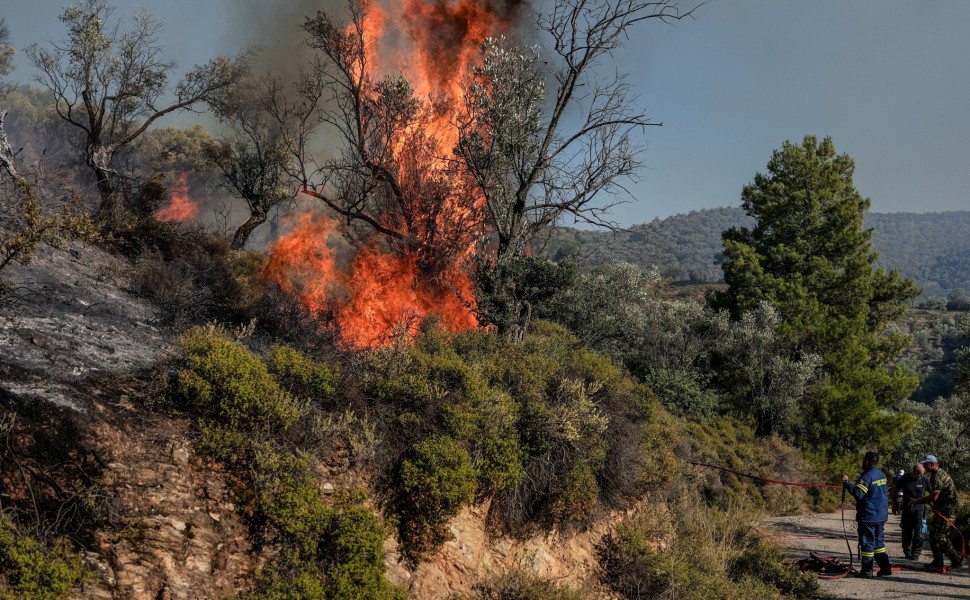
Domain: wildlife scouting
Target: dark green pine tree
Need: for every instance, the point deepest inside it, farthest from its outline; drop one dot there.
(809, 256)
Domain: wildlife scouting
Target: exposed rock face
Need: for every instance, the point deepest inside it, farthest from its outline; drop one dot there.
(472, 556)
(181, 536)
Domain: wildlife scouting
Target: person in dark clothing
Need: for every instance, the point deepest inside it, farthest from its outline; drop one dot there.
(914, 486)
(895, 492)
(872, 512)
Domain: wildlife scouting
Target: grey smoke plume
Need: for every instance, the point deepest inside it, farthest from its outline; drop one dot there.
(276, 27)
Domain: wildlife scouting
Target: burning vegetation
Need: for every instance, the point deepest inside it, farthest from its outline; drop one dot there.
(180, 208)
(423, 217)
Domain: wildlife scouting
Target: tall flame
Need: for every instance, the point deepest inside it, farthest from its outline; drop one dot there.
(180, 207)
(389, 287)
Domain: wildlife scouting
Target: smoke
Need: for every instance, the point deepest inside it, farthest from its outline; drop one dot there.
(436, 28)
(276, 28)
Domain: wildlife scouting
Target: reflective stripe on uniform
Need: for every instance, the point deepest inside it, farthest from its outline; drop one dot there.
(862, 487)
(878, 482)
(879, 550)
(869, 554)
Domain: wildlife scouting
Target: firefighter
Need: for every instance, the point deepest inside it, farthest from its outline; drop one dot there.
(872, 512)
(943, 497)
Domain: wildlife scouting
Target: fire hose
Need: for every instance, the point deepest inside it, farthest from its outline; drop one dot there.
(829, 567)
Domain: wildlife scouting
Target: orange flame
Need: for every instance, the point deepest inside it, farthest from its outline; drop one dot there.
(180, 207)
(391, 285)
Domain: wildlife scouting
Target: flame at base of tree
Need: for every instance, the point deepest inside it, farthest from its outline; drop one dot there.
(378, 297)
(180, 207)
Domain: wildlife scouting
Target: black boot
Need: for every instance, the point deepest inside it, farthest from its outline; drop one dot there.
(885, 568)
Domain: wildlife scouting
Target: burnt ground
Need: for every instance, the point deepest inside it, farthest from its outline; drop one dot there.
(798, 535)
(82, 456)
(66, 323)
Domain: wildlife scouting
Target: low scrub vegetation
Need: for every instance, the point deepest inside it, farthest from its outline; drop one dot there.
(33, 570)
(329, 549)
(693, 551)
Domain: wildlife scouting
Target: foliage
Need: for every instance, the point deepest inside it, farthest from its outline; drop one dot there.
(517, 289)
(697, 361)
(109, 81)
(437, 478)
(224, 381)
(354, 564)
(25, 224)
(31, 570)
(809, 257)
(552, 431)
(300, 374)
(519, 585)
(332, 550)
(694, 551)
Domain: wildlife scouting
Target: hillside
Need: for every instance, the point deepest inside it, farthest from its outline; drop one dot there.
(933, 249)
(150, 478)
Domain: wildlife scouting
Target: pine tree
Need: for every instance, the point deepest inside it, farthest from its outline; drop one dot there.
(809, 257)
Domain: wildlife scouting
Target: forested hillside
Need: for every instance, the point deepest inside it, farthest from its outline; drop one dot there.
(932, 249)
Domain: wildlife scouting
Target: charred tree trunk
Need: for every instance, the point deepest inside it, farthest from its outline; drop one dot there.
(242, 234)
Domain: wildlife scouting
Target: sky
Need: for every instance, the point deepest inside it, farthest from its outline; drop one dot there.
(887, 79)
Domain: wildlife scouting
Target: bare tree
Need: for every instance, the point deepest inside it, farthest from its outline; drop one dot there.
(269, 126)
(113, 84)
(534, 164)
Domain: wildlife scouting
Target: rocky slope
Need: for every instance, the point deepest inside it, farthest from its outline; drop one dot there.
(77, 353)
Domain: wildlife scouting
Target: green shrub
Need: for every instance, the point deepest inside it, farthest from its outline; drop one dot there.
(306, 584)
(354, 546)
(29, 570)
(225, 381)
(302, 374)
(518, 585)
(289, 497)
(437, 479)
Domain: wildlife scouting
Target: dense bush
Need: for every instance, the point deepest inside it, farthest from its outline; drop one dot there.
(300, 374)
(31, 570)
(437, 479)
(330, 550)
(223, 380)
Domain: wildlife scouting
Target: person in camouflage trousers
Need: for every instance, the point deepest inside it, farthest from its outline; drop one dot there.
(943, 498)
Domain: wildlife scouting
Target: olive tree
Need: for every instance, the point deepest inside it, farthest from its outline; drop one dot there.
(110, 81)
(551, 134)
(269, 124)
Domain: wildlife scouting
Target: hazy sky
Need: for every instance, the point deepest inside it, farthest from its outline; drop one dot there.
(889, 80)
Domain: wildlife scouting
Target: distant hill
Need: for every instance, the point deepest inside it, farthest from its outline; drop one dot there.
(933, 249)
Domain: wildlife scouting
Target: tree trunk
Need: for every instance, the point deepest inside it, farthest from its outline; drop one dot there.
(242, 234)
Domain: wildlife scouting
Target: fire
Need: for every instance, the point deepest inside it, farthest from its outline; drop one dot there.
(180, 207)
(395, 281)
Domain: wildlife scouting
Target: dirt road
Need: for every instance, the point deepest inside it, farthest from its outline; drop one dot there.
(823, 533)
